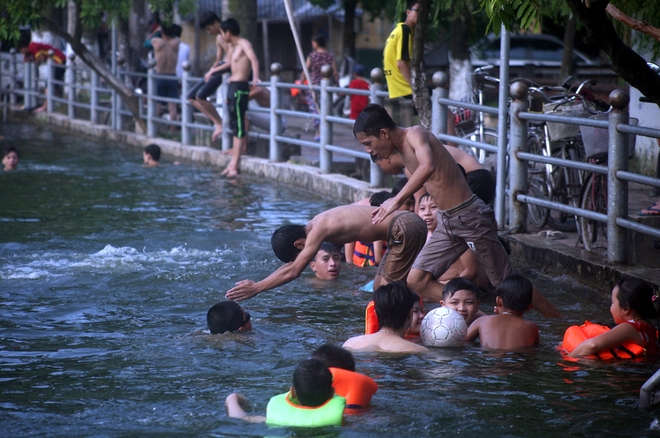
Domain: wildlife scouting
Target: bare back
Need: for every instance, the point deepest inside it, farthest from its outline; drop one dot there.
(466, 160)
(347, 223)
(383, 342)
(166, 52)
(505, 332)
(446, 185)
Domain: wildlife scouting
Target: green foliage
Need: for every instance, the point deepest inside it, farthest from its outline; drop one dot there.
(30, 12)
(641, 10)
(514, 14)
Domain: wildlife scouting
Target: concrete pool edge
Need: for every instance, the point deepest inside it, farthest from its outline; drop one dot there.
(549, 256)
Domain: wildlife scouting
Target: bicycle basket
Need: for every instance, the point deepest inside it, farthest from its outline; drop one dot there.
(561, 131)
(464, 119)
(596, 140)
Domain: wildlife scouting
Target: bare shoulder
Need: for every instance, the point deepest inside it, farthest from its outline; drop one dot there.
(355, 343)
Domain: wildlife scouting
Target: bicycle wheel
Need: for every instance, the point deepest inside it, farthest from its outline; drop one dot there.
(537, 185)
(489, 136)
(565, 189)
(594, 198)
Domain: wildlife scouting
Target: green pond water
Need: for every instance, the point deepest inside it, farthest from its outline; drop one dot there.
(107, 270)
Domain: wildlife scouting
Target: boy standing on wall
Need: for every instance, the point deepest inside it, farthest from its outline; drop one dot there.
(213, 78)
(464, 221)
(242, 61)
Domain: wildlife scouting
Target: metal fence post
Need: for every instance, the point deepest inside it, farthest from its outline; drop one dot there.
(50, 87)
(222, 99)
(186, 113)
(28, 98)
(517, 168)
(72, 86)
(377, 77)
(151, 90)
(13, 70)
(325, 156)
(275, 119)
(439, 112)
(617, 197)
(94, 98)
(113, 59)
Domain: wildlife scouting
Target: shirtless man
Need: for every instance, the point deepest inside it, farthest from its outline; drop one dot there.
(213, 78)
(166, 52)
(296, 245)
(242, 61)
(464, 221)
(394, 306)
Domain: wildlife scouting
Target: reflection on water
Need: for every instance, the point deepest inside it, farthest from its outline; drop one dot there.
(108, 268)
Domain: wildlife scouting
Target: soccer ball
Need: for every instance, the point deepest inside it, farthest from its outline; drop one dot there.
(443, 327)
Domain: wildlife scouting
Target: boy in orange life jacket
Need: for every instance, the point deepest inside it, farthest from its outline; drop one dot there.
(356, 388)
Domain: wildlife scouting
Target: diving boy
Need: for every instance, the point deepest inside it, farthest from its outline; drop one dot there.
(464, 221)
(507, 330)
(309, 403)
(296, 245)
(394, 304)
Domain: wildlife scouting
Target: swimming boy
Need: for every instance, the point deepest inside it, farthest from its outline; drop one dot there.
(242, 61)
(464, 221)
(462, 295)
(10, 158)
(394, 303)
(327, 262)
(507, 330)
(356, 388)
(309, 403)
(227, 316)
(151, 155)
(296, 245)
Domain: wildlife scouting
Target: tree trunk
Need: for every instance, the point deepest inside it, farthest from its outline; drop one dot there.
(349, 31)
(421, 95)
(567, 64)
(625, 61)
(460, 67)
(93, 62)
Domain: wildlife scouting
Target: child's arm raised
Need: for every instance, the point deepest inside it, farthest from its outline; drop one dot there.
(619, 335)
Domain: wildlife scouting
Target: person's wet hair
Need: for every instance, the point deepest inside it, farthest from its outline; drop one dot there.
(637, 295)
(169, 30)
(378, 198)
(457, 284)
(283, 239)
(335, 357)
(153, 150)
(226, 316)
(393, 303)
(207, 19)
(516, 292)
(231, 25)
(312, 381)
(9, 149)
(328, 247)
(319, 39)
(372, 119)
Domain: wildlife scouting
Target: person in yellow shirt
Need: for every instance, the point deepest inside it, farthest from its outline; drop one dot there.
(398, 53)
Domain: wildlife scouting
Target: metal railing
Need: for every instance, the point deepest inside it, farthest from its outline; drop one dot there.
(513, 145)
(516, 148)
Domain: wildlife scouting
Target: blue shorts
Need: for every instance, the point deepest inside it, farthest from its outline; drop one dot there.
(167, 87)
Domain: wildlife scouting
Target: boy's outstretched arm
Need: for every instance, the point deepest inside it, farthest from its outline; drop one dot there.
(236, 405)
(246, 289)
(545, 307)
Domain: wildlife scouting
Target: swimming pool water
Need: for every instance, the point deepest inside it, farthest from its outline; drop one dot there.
(107, 270)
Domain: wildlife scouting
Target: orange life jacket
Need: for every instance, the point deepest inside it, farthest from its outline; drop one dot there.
(363, 254)
(575, 335)
(356, 388)
(371, 321)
